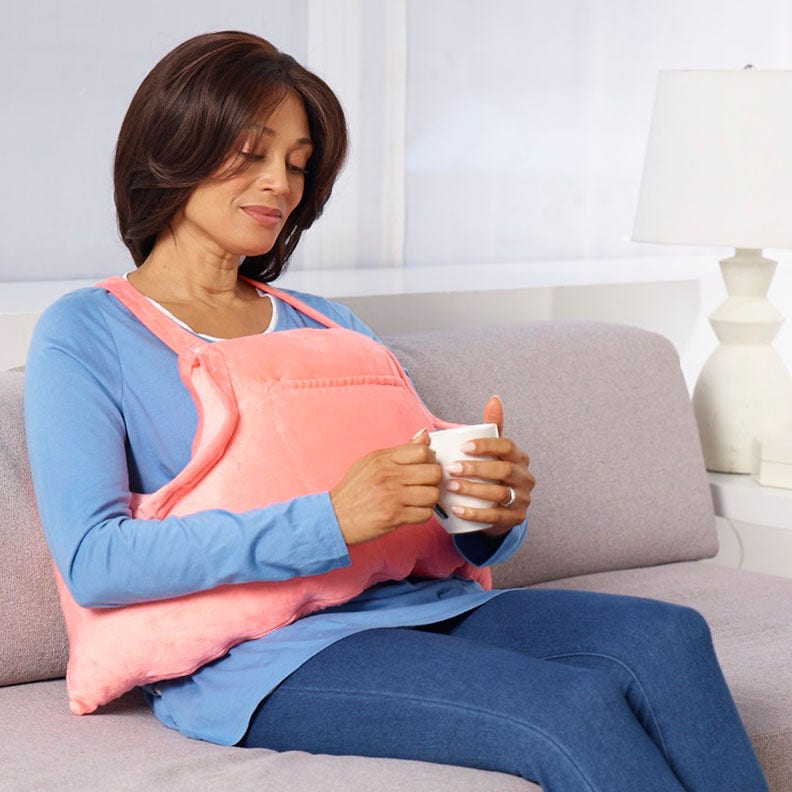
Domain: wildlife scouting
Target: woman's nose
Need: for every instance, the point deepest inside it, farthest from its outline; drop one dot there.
(273, 176)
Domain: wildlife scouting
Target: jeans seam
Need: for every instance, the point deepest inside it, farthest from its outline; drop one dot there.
(462, 707)
(635, 679)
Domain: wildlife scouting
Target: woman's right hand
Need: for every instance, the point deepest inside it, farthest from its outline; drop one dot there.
(386, 489)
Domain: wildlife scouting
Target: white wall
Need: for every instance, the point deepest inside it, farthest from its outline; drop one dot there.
(527, 119)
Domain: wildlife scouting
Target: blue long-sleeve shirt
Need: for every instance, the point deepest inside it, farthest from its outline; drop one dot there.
(107, 414)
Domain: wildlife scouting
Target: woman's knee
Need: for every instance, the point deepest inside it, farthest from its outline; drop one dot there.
(678, 625)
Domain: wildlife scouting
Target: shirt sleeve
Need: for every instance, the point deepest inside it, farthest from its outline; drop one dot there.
(480, 551)
(76, 440)
(338, 312)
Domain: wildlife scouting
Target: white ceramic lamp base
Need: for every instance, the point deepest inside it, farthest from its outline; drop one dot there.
(744, 390)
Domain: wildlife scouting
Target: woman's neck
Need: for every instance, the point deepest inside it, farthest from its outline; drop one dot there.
(175, 273)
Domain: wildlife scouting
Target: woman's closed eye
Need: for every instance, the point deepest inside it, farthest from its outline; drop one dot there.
(252, 156)
(260, 156)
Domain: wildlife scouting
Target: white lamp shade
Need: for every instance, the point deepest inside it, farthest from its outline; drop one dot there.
(718, 169)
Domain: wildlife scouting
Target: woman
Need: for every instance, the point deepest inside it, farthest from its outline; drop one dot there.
(228, 152)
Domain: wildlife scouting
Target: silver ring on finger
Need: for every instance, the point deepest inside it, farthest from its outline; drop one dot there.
(510, 500)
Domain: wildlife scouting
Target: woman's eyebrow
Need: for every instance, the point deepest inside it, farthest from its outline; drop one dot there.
(265, 130)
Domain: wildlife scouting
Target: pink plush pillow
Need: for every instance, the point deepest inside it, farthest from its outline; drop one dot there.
(282, 387)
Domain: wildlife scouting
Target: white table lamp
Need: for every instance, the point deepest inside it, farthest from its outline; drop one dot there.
(718, 172)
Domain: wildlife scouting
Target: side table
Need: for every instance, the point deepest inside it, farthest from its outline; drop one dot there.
(754, 524)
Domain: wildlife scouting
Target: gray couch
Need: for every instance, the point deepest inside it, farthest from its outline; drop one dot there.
(621, 505)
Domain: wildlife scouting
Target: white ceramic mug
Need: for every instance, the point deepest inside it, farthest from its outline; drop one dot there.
(446, 445)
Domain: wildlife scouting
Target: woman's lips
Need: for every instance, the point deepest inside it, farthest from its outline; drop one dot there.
(264, 215)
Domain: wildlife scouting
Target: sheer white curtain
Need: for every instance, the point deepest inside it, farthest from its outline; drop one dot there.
(360, 48)
(506, 131)
(69, 70)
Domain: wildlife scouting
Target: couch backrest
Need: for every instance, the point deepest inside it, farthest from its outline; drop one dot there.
(605, 415)
(33, 641)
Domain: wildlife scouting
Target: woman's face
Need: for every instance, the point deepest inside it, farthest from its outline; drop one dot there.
(243, 214)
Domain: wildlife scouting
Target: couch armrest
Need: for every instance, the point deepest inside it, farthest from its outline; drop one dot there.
(33, 641)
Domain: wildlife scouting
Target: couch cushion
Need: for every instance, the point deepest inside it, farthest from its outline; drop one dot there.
(604, 413)
(748, 613)
(32, 638)
(126, 748)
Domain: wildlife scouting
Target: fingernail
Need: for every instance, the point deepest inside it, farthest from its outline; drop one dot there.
(466, 448)
(454, 467)
(458, 510)
(453, 486)
(417, 434)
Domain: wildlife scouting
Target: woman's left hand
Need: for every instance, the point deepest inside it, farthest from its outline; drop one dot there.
(505, 471)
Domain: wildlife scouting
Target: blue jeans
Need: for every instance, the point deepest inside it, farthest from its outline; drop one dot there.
(573, 690)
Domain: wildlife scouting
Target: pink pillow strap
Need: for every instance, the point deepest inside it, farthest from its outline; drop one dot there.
(181, 341)
(295, 302)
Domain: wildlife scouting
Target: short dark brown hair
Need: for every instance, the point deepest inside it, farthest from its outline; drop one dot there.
(185, 119)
